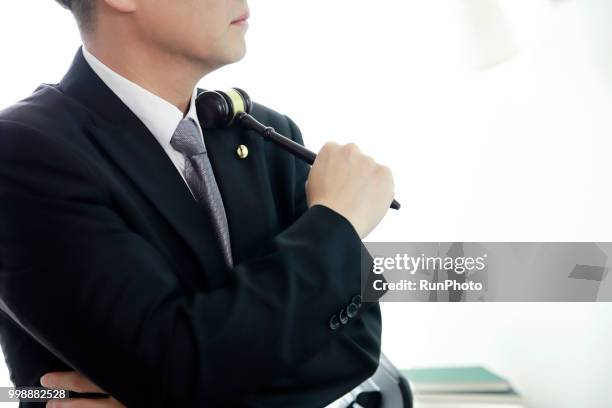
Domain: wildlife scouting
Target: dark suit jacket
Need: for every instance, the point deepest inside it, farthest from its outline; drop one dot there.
(109, 267)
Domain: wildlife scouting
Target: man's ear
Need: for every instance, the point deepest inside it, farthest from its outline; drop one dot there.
(123, 6)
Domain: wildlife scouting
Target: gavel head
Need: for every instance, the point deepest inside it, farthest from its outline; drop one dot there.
(217, 109)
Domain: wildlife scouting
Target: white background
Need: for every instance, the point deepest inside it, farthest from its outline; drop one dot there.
(496, 123)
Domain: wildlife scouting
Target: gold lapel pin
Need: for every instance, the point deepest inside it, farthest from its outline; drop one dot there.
(242, 151)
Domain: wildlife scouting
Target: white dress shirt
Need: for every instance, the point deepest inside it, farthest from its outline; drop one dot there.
(158, 115)
(162, 118)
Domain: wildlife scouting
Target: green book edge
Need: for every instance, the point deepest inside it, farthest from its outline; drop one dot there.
(451, 375)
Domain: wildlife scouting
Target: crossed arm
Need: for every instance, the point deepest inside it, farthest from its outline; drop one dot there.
(103, 300)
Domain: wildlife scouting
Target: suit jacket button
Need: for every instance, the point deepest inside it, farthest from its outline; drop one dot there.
(351, 310)
(356, 300)
(333, 322)
(343, 317)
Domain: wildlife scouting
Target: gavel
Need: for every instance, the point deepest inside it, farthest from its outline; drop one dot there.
(218, 109)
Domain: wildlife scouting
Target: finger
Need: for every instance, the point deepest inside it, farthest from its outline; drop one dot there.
(84, 403)
(68, 380)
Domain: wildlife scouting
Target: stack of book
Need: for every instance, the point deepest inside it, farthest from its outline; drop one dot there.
(460, 387)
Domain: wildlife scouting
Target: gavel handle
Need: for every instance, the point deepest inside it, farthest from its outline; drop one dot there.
(248, 121)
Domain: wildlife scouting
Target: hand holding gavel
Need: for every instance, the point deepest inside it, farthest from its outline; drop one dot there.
(341, 178)
(352, 184)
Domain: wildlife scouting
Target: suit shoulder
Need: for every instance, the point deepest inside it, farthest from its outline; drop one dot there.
(47, 111)
(266, 114)
(41, 127)
(53, 167)
(279, 121)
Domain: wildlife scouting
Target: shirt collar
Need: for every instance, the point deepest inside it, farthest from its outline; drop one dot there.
(158, 115)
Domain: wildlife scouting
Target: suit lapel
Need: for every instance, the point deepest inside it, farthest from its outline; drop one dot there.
(129, 144)
(245, 188)
(144, 161)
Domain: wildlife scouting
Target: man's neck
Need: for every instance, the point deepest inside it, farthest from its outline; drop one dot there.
(168, 76)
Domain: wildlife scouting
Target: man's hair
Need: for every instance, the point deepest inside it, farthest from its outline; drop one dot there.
(83, 11)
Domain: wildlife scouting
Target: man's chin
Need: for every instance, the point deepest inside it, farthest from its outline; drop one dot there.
(235, 55)
(214, 62)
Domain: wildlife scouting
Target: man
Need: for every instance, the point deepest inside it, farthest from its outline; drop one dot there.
(166, 277)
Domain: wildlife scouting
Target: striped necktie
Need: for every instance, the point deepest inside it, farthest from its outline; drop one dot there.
(199, 176)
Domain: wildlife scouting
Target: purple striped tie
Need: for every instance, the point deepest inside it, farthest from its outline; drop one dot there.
(199, 175)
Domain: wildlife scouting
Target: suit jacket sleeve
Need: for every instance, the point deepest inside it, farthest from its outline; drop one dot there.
(104, 301)
(302, 169)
